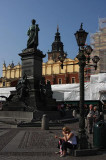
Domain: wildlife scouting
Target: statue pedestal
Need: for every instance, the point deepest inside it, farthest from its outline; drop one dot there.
(32, 93)
(32, 67)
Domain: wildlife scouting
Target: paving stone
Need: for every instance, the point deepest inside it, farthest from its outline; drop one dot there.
(36, 144)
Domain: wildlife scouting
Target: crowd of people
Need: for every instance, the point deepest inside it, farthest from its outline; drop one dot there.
(63, 107)
(92, 116)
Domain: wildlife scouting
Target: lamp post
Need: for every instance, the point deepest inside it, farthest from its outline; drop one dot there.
(62, 57)
(81, 36)
(84, 58)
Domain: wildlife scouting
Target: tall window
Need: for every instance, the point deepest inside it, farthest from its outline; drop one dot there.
(73, 80)
(59, 81)
(3, 84)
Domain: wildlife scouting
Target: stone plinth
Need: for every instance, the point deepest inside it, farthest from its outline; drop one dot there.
(15, 115)
(32, 65)
(32, 93)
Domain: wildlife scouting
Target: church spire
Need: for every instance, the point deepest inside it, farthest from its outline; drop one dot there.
(57, 45)
(4, 64)
(57, 28)
(12, 65)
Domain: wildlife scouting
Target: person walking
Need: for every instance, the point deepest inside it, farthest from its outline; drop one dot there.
(96, 116)
(90, 119)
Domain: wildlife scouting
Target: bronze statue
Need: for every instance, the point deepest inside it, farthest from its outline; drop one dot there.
(49, 90)
(45, 89)
(42, 87)
(33, 35)
(23, 87)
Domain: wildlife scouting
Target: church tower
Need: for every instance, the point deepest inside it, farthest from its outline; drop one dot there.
(57, 47)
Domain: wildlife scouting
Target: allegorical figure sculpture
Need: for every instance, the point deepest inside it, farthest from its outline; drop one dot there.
(33, 35)
(45, 89)
(23, 87)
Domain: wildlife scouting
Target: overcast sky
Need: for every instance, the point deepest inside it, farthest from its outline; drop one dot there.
(16, 16)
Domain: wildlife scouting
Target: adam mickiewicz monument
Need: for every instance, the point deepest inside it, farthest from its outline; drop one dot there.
(33, 35)
(32, 93)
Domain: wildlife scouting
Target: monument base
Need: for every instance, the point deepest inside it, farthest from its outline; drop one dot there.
(52, 115)
(15, 116)
(32, 93)
(13, 103)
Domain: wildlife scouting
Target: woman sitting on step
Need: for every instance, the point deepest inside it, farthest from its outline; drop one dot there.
(67, 141)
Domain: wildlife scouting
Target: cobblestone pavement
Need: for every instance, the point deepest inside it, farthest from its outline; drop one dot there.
(98, 157)
(35, 144)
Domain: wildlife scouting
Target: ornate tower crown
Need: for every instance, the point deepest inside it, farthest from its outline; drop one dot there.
(57, 45)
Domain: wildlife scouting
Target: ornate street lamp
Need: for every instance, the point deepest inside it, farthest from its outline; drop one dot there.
(62, 57)
(84, 59)
(88, 51)
(81, 36)
(95, 60)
